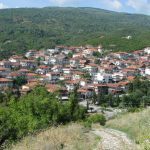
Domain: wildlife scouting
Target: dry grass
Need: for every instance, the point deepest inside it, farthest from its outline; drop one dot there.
(136, 125)
(71, 137)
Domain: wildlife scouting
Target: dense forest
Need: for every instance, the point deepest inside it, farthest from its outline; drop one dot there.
(36, 28)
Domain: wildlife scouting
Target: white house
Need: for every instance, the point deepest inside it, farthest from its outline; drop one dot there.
(102, 78)
(91, 68)
(100, 49)
(66, 71)
(147, 71)
(147, 50)
(117, 76)
(30, 53)
(52, 76)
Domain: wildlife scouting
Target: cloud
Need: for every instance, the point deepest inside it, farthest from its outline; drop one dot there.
(60, 2)
(116, 4)
(2, 6)
(113, 4)
(142, 6)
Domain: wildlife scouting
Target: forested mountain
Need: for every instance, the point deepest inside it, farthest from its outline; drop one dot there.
(26, 28)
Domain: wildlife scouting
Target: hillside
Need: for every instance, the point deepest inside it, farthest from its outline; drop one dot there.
(69, 137)
(27, 28)
(136, 125)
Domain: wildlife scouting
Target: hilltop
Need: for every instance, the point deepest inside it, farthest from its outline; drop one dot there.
(36, 28)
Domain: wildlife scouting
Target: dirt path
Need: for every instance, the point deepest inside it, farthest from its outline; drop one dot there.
(113, 140)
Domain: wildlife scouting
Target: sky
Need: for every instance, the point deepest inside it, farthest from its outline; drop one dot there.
(130, 6)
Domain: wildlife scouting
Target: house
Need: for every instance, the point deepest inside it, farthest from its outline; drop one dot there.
(71, 84)
(62, 91)
(83, 82)
(100, 49)
(24, 71)
(4, 72)
(43, 69)
(101, 89)
(147, 50)
(52, 51)
(114, 88)
(89, 52)
(53, 77)
(15, 58)
(30, 76)
(85, 93)
(13, 75)
(28, 87)
(28, 64)
(116, 77)
(77, 75)
(30, 53)
(147, 71)
(5, 83)
(74, 62)
(5, 64)
(121, 55)
(57, 68)
(67, 70)
(102, 78)
(52, 60)
(91, 68)
(62, 59)
(15, 65)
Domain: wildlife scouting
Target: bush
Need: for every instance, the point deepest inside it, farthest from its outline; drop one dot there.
(87, 124)
(97, 118)
(34, 111)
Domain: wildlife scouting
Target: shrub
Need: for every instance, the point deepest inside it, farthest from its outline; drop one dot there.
(97, 118)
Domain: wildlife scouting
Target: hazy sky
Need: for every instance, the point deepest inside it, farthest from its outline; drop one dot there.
(132, 6)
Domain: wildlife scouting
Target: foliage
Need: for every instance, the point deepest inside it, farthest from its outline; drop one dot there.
(136, 125)
(36, 110)
(97, 54)
(36, 28)
(138, 95)
(97, 118)
(19, 81)
(70, 54)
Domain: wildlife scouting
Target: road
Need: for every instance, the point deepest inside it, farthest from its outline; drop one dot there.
(113, 140)
(108, 113)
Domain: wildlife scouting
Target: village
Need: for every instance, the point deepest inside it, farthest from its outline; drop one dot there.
(65, 68)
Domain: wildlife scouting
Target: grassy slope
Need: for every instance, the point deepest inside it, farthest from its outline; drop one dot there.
(71, 137)
(136, 125)
(22, 29)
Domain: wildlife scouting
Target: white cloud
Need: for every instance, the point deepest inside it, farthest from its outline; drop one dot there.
(116, 4)
(2, 6)
(142, 6)
(113, 4)
(60, 2)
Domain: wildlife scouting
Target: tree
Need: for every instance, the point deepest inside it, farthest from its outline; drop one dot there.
(19, 81)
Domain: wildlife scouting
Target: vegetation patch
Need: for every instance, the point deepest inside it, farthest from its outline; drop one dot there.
(69, 137)
(136, 125)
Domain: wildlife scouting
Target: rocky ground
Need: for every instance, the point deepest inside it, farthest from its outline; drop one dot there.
(113, 140)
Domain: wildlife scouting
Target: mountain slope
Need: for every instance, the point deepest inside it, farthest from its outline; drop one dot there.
(25, 28)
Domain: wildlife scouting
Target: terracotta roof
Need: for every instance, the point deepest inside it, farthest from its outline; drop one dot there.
(31, 74)
(2, 69)
(53, 88)
(73, 82)
(43, 67)
(5, 80)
